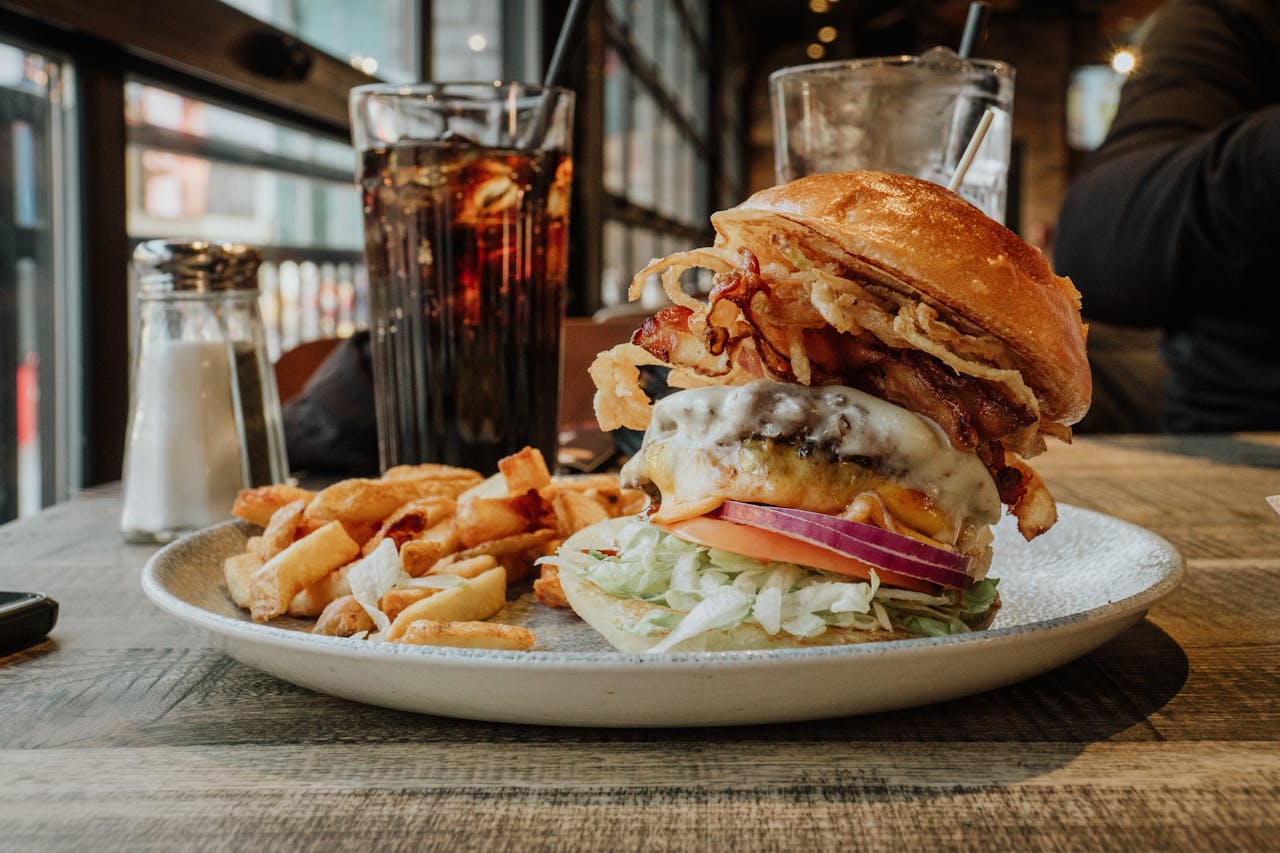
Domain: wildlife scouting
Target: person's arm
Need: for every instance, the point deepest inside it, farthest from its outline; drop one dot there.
(1182, 204)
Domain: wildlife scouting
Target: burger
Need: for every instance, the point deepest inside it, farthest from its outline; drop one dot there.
(875, 360)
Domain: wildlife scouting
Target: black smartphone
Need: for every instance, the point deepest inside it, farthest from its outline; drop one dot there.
(25, 617)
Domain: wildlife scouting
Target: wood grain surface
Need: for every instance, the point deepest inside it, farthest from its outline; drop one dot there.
(124, 730)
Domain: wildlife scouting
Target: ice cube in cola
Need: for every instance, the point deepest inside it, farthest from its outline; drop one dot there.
(466, 248)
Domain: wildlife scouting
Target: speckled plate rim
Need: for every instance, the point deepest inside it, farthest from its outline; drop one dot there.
(1163, 557)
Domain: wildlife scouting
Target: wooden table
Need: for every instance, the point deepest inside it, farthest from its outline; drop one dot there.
(123, 730)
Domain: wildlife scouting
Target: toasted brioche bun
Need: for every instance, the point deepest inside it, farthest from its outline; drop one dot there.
(608, 614)
(935, 247)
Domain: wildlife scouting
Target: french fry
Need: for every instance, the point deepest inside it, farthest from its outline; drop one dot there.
(417, 558)
(604, 489)
(398, 598)
(257, 547)
(312, 600)
(520, 546)
(419, 555)
(586, 483)
(474, 600)
(576, 510)
(360, 531)
(486, 532)
(524, 471)
(374, 500)
(239, 570)
(257, 505)
(282, 529)
(483, 519)
(410, 521)
(506, 545)
(547, 588)
(493, 486)
(519, 565)
(343, 617)
(480, 519)
(468, 568)
(301, 564)
(631, 502)
(446, 533)
(469, 635)
(430, 470)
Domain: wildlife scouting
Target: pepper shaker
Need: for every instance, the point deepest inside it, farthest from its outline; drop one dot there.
(204, 414)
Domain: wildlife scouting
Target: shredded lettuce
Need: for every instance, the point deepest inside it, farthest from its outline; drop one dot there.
(712, 589)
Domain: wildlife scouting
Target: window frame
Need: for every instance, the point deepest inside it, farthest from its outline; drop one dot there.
(202, 47)
(598, 204)
(56, 313)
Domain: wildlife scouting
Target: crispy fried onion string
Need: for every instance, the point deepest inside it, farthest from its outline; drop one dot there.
(619, 400)
(804, 323)
(1022, 490)
(673, 266)
(759, 320)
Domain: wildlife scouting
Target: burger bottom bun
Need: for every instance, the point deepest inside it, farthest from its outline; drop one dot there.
(610, 614)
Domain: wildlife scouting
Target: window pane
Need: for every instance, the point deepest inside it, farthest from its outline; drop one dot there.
(673, 44)
(466, 41)
(653, 137)
(617, 268)
(644, 246)
(378, 37)
(640, 145)
(39, 415)
(688, 174)
(622, 12)
(700, 11)
(669, 144)
(644, 29)
(200, 171)
(617, 99)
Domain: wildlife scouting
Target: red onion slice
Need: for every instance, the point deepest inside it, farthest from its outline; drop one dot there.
(866, 542)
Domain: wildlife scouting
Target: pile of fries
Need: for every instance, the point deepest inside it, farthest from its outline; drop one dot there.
(423, 554)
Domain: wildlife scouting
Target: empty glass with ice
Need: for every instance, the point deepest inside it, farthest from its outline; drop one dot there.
(466, 209)
(912, 115)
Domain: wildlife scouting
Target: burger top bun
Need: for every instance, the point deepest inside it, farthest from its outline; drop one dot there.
(944, 252)
(609, 614)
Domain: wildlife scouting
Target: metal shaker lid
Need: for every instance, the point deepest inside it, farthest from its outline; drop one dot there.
(196, 266)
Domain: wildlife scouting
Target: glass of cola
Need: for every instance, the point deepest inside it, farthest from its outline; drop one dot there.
(466, 208)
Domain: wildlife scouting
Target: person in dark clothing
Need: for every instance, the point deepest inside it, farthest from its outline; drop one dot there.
(1175, 223)
(330, 428)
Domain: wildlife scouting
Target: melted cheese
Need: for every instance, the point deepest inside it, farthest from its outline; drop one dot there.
(810, 447)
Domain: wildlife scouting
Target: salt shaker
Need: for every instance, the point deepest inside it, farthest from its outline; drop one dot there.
(204, 415)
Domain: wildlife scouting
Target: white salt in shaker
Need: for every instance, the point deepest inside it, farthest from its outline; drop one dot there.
(204, 416)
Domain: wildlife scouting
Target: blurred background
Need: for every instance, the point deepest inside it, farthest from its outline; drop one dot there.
(198, 119)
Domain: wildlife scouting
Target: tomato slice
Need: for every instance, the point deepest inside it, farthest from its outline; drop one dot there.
(770, 545)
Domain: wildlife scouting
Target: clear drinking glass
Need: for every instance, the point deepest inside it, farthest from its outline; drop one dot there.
(912, 115)
(466, 206)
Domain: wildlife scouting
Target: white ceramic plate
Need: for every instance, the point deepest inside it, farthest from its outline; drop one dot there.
(1064, 594)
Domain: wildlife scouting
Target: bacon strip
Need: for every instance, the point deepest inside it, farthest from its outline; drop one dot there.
(754, 326)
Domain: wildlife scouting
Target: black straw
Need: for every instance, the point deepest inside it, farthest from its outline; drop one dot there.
(568, 39)
(974, 25)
